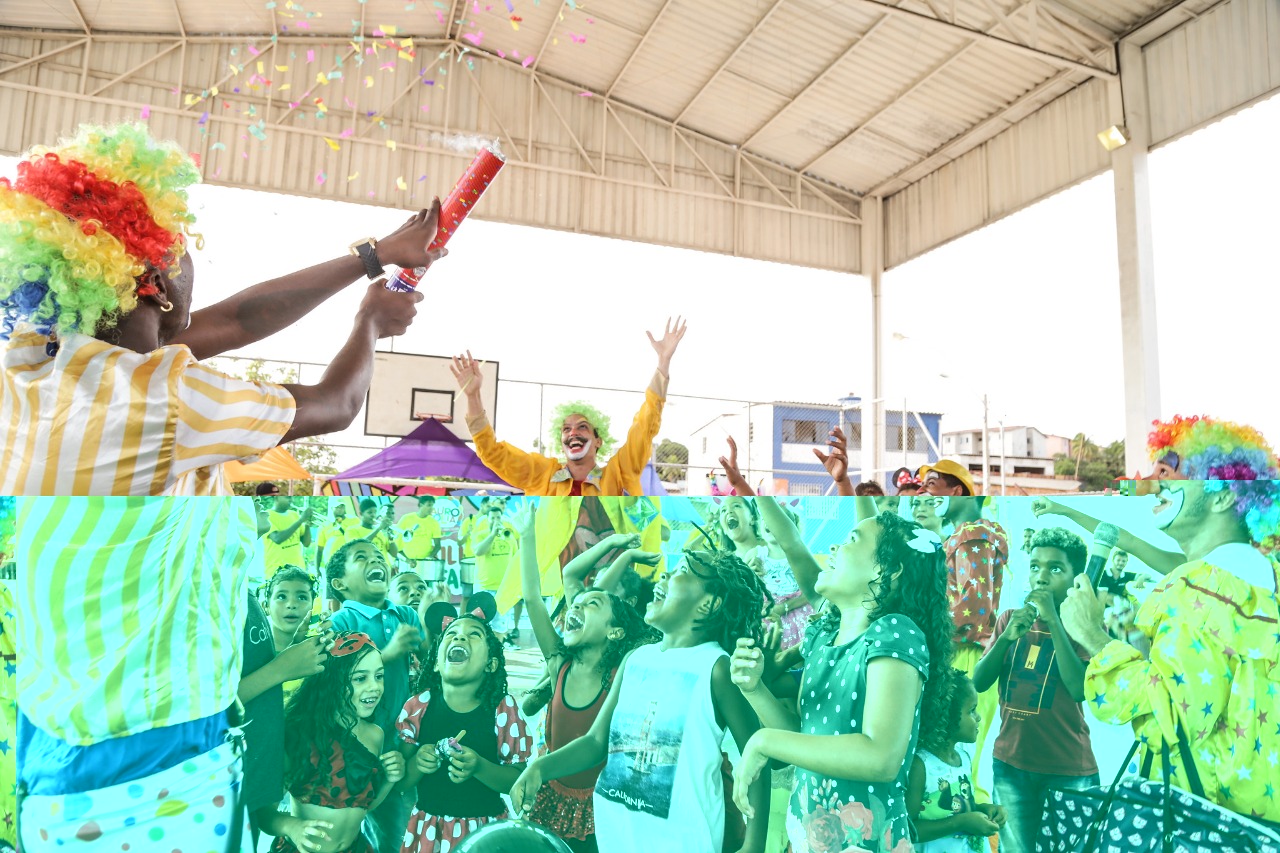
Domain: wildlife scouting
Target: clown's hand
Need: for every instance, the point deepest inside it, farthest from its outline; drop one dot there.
(666, 347)
(466, 370)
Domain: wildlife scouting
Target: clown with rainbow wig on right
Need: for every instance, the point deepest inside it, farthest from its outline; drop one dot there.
(1209, 659)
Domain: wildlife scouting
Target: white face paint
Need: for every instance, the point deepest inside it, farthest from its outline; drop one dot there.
(1169, 507)
(574, 454)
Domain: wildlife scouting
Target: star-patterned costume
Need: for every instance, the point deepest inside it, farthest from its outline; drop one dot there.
(1215, 659)
(977, 553)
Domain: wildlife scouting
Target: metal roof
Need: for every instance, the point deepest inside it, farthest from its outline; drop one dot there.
(768, 121)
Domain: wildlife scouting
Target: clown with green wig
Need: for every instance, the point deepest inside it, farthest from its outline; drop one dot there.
(1207, 667)
(101, 387)
(580, 430)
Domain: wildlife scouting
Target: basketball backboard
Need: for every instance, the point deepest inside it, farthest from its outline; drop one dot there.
(407, 389)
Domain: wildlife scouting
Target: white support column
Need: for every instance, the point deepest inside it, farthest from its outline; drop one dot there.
(1136, 260)
(872, 230)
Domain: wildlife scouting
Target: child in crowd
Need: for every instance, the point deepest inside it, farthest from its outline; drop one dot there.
(738, 523)
(662, 724)
(360, 576)
(408, 588)
(600, 629)
(290, 597)
(463, 736)
(1044, 740)
(940, 796)
(336, 768)
(875, 683)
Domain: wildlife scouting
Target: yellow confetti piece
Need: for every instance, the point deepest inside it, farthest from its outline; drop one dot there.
(282, 68)
(333, 144)
(404, 55)
(515, 26)
(406, 43)
(389, 29)
(190, 99)
(259, 66)
(352, 177)
(391, 143)
(400, 184)
(285, 87)
(213, 93)
(368, 82)
(322, 79)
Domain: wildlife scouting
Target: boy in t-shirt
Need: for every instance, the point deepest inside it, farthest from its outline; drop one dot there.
(1044, 740)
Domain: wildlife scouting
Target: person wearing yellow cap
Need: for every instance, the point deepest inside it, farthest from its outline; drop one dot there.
(977, 552)
(947, 477)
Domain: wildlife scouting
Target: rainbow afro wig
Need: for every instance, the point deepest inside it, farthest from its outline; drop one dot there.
(599, 422)
(83, 221)
(1234, 457)
(1208, 449)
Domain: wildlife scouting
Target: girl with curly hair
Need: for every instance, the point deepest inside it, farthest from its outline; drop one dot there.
(96, 327)
(335, 768)
(463, 737)
(600, 629)
(875, 685)
(660, 729)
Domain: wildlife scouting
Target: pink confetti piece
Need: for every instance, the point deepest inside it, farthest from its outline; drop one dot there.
(320, 178)
(146, 112)
(253, 51)
(528, 60)
(586, 94)
(346, 133)
(311, 56)
(577, 39)
(474, 38)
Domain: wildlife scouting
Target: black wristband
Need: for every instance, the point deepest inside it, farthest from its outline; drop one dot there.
(369, 257)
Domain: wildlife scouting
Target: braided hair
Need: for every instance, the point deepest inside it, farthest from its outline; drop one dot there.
(920, 594)
(494, 686)
(741, 593)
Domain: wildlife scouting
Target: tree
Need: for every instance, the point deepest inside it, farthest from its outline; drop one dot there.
(676, 456)
(1095, 467)
(318, 458)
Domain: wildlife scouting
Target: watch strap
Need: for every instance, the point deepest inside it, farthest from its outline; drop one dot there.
(369, 257)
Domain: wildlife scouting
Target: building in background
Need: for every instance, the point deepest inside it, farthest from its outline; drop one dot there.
(776, 441)
(1023, 454)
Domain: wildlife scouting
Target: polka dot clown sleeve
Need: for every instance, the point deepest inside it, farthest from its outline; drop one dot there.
(515, 746)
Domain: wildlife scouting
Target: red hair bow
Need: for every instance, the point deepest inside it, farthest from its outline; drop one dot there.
(350, 643)
(477, 612)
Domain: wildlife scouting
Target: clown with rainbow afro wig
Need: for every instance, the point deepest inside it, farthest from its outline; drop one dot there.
(83, 223)
(101, 389)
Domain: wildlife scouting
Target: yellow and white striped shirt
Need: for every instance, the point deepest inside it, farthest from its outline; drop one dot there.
(97, 419)
(133, 611)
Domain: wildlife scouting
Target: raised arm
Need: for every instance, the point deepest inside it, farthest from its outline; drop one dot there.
(264, 309)
(1158, 559)
(837, 461)
(517, 467)
(531, 584)
(746, 670)
(577, 569)
(803, 565)
(333, 403)
(609, 578)
(730, 465)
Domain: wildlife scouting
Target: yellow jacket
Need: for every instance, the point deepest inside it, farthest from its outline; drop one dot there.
(535, 474)
(1214, 658)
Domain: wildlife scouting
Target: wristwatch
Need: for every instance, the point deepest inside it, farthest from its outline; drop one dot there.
(367, 251)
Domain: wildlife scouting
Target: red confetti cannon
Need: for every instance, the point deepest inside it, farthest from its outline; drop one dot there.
(460, 201)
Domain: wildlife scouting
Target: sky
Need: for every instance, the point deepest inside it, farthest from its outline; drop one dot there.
(1025, 311)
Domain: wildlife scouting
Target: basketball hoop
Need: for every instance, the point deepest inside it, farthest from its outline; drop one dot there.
(433, 416)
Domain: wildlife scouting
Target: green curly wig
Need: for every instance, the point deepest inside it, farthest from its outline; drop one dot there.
(599, 422)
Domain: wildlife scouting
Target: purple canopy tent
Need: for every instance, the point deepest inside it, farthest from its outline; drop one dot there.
(428, 452)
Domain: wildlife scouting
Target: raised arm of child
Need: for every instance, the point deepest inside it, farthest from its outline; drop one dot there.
(837, 461)
(735, 714)
(531, 585)
(574, 757)
(609, 579)
(577, 569)
(1160, 560)
(976, 822)
(803, 565)
(873, 755)
(737, 482)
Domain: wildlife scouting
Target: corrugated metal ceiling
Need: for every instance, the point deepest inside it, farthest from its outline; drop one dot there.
(854, 92)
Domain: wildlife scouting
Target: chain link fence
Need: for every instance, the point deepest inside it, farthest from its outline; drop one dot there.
(775, 439)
